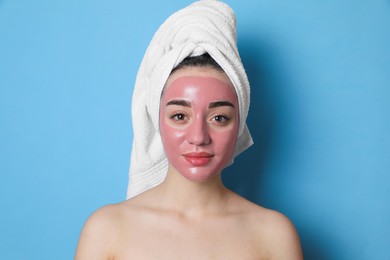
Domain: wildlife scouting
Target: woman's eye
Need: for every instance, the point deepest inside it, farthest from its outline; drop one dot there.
(178, 117)
(220, 119)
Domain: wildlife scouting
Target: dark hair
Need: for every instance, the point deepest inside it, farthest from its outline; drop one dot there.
(204, 60)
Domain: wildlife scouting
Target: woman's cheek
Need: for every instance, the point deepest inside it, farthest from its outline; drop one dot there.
(225, 142)
(172, 139)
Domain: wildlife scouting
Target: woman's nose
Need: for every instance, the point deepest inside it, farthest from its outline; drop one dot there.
(198, 133)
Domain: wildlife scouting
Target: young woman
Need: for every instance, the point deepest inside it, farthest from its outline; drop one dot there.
(191, 215)
(201, 127)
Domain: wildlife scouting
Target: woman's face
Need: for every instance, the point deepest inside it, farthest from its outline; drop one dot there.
(199, 122)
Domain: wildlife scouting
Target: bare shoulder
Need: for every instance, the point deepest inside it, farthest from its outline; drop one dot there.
(99, 233)
(278, 233)
(284, 236)
(273, 231)
(106, 229)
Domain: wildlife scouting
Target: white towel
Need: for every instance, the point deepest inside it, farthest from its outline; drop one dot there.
(204, 26)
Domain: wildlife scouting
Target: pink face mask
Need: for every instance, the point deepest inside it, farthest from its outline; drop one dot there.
(199, 122)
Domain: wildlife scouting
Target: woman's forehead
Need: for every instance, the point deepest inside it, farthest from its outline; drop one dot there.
(199, 71)
(198, 77)
(199, 89)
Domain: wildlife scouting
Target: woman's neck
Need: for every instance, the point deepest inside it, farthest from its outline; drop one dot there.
(191, 198)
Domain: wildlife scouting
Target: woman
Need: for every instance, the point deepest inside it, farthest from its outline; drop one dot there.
(190, 214)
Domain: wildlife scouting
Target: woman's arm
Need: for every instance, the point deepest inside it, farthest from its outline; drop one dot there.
(97, 236)
(283, 238)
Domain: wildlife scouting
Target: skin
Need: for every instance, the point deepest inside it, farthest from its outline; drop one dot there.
(199, 128)
(191, 215)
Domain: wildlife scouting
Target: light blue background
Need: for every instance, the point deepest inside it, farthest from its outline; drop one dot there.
(320, 117)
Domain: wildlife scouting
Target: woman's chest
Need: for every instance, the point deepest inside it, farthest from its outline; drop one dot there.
(190, 242)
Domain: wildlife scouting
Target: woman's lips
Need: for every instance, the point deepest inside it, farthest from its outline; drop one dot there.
(198, 158)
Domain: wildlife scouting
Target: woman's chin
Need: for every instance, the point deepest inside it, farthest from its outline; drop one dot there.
(199, 174)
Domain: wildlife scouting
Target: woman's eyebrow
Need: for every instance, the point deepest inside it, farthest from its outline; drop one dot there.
(179, 102)
(220, 104)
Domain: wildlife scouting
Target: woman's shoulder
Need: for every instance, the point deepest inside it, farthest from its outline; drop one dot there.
(102, 229)
(270, 229)
(256, 213)
(106, 216)
(96, 236)
(273, 225)
(113, 215)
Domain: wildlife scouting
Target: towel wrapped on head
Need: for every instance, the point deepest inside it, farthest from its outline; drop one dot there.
(206, 26)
